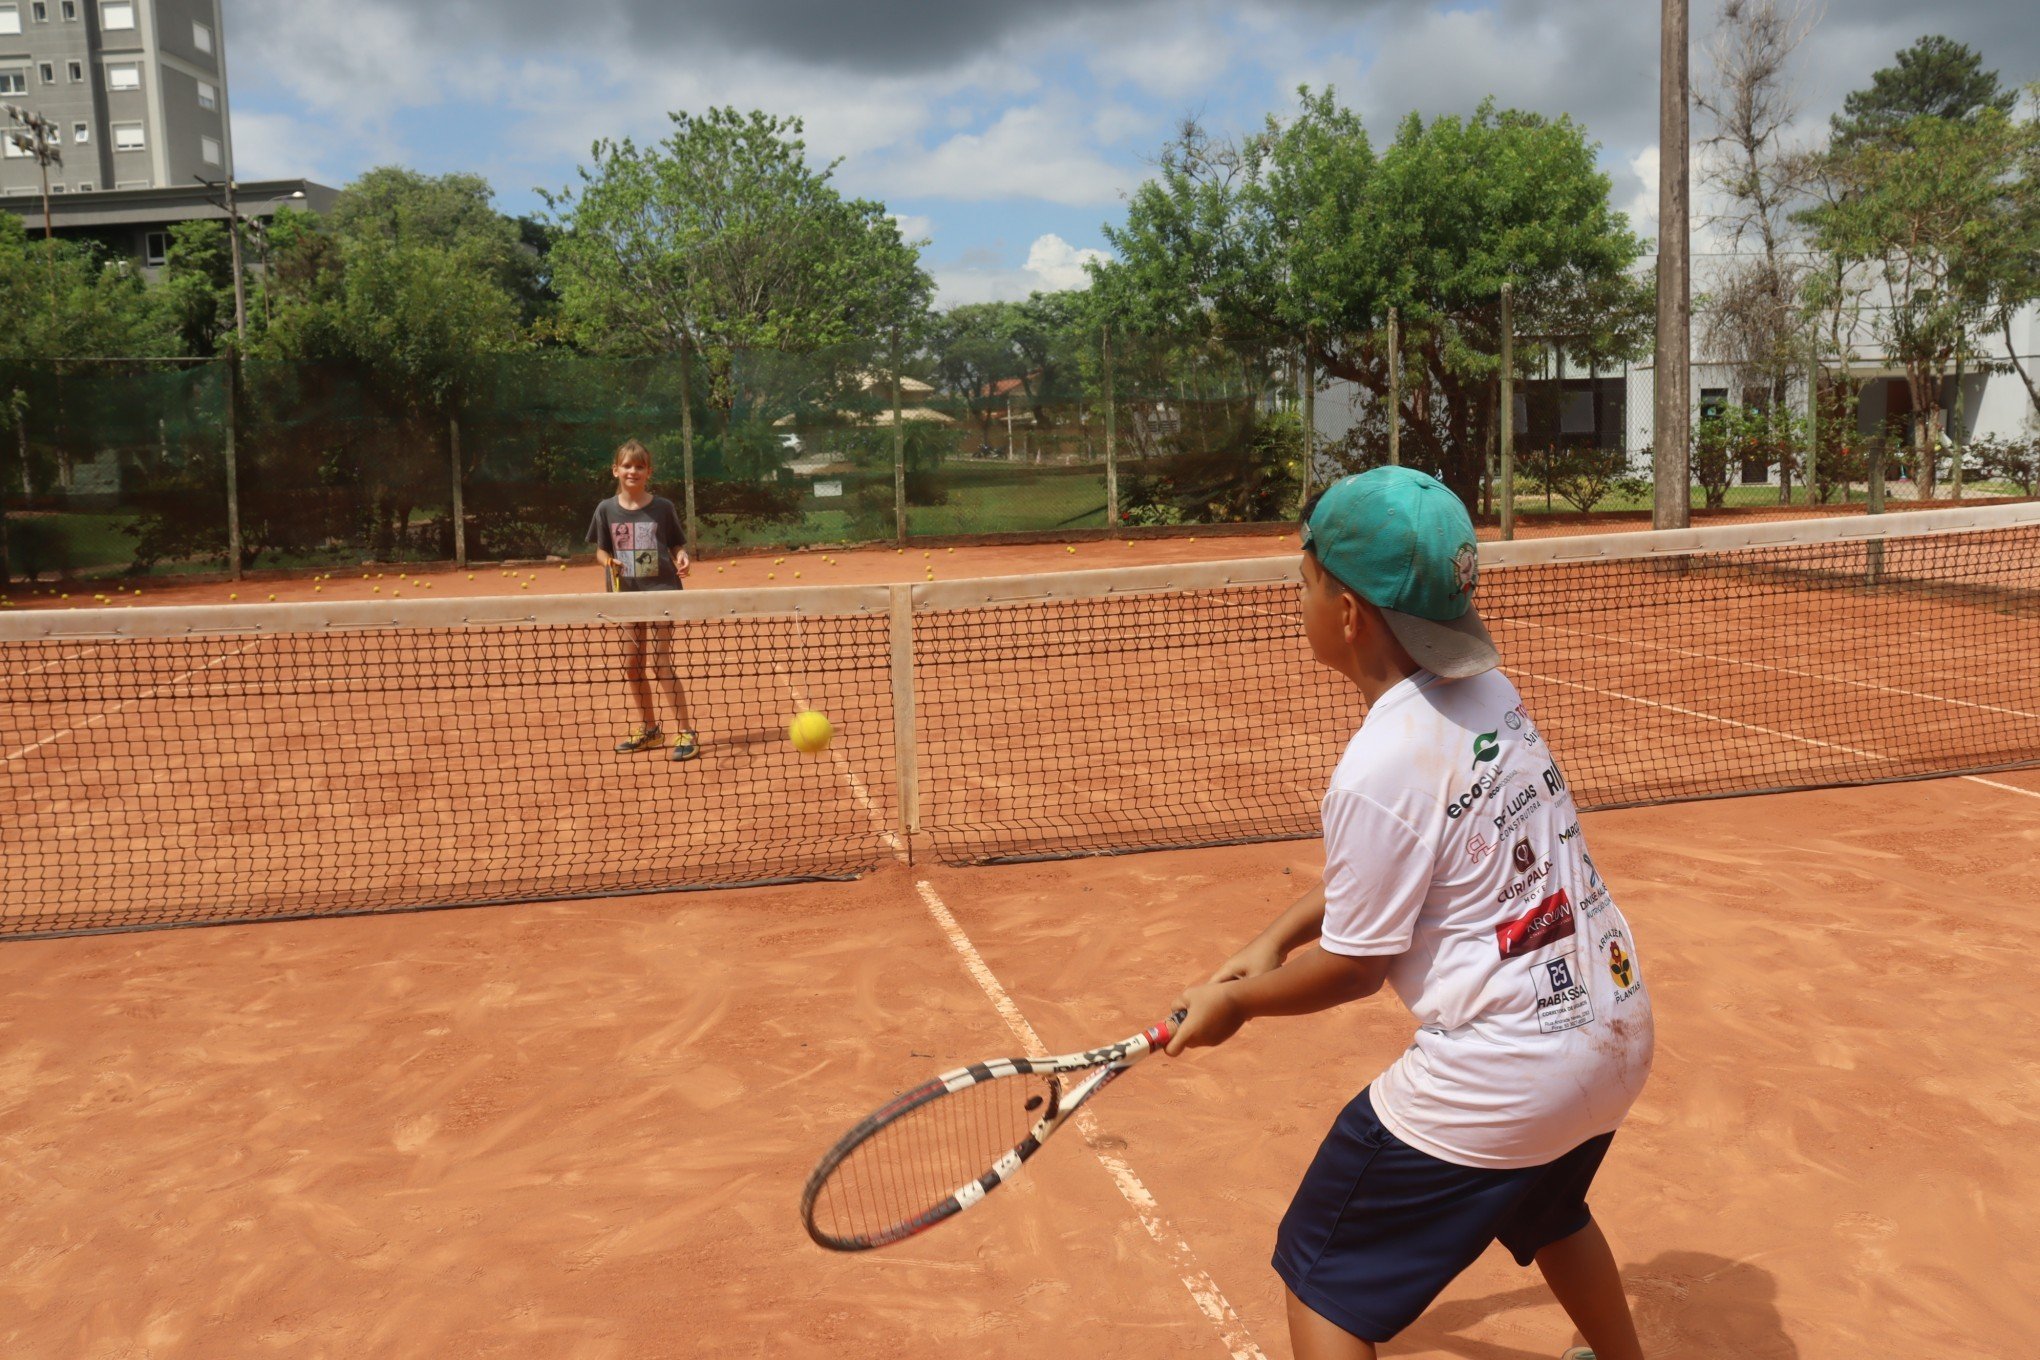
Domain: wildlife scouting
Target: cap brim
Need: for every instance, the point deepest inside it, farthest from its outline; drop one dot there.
(1454, 649)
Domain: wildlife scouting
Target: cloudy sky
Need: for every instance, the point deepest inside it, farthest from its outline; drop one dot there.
(1004, 134)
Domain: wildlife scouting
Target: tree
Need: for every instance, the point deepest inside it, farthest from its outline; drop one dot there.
(389, 307)
(723, 238)
(1923, 210)
(971, 349)
(721, 243)
(1754, 319)
(197, 287)
(1936, 77)
(1301, 237)
(454, 212)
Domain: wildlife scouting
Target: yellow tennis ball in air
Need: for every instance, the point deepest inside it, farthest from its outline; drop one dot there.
(811, 732)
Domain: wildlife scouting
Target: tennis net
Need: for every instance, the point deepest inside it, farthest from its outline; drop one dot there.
(200, 765)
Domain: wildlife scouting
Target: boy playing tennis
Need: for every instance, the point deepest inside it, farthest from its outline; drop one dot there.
(641, 545)
(1456, 872)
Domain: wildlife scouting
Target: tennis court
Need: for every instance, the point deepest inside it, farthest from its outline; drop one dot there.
(580, 1128)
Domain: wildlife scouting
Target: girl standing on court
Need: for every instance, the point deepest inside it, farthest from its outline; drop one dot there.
(641, 545)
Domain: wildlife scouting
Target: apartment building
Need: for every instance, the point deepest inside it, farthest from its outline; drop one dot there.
(137, 90)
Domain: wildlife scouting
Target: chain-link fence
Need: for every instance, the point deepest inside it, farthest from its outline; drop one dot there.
(128, 465)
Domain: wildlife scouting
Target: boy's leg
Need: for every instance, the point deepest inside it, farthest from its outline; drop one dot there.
(1581, 1271)
(1313, 1337)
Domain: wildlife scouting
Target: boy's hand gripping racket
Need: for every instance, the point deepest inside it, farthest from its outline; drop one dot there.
(932, 1152)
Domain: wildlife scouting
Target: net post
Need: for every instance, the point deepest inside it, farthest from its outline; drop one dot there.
(233, 460)
(905, 760)
(459, 509)
(1508, 416)
(1111, 431)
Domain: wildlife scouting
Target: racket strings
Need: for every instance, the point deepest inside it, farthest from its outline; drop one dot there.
(914, 1163)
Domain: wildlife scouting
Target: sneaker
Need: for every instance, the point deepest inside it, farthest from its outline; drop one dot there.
(1578, 1353)
(686, 746)
(639, 739)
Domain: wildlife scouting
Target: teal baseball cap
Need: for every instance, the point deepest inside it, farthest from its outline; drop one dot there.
(1401, 541)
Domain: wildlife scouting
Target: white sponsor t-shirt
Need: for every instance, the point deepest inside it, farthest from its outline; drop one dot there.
(1452, 843)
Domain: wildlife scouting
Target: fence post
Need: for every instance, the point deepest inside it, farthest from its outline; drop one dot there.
(1812, 474)
(1955, 473)
(1111, 433)
(233, 459)
(906, 762)
(1508, 415)
(459, 508)
(1306, 369)
(1394, 388)
(899, 449)
(687, 445)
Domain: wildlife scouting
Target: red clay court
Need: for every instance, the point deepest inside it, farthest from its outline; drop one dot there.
(580, 1128)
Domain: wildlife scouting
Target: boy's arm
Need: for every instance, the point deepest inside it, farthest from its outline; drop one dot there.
(1294, 928)
(1314, 980)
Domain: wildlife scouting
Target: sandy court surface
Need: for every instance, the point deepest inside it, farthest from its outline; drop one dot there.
(580, 1130)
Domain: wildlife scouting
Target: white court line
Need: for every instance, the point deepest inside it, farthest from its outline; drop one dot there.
(2008, 788)
(1752, 727)
(140, 698)
(1204, 1291)
(47, 665)
(1695, 713)
(1762, 666)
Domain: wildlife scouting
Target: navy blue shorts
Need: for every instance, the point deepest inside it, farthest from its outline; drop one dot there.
(1378, 1229)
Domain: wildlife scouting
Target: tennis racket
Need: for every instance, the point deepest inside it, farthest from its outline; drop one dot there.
(930, 1153)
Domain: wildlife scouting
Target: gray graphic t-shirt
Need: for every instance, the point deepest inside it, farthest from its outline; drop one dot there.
(642, 541)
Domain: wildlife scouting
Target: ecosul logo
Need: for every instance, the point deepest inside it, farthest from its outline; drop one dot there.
(1485, 787)
(1485, 749)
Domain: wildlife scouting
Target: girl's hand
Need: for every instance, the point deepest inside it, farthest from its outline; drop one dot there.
(682, 562)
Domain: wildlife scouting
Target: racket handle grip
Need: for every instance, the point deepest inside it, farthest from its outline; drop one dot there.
(1158, 1036)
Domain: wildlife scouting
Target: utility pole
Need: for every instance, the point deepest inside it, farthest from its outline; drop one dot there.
(1673, 418)
(1508, 418)
(38, 141)
(233, 456)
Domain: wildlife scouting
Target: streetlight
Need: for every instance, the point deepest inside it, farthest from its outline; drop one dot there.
(40, 142)
(234, 228)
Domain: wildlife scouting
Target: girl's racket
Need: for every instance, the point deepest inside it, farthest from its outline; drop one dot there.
(932, 1152)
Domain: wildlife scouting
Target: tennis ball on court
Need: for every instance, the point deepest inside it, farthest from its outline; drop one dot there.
(810, 732)
(232, 595)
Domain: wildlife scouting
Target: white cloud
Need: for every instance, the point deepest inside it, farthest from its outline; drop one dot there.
(1060, 265)
(1643, 204)
(1053, 265)
(1032, 152)
(914, 226)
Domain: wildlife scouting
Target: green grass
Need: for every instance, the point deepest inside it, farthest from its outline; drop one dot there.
(979, 498)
